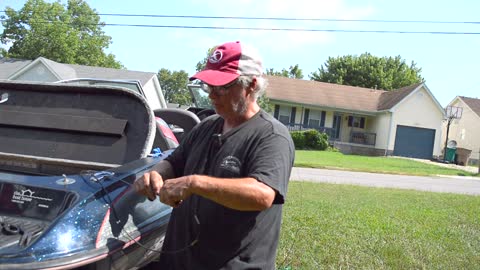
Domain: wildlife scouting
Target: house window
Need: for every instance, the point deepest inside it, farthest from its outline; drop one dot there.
(315, 123)
(284, 119)
(356, 121)
(284, 114)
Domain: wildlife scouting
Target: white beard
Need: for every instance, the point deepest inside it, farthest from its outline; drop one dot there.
(240, 107)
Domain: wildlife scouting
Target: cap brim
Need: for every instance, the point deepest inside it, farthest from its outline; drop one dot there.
(215, 77)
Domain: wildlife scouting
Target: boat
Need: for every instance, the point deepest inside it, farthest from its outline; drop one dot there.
(69, 155)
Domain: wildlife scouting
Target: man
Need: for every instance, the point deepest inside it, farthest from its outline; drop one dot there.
(228, 179)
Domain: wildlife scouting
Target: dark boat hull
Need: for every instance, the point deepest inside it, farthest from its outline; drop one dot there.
(68, 158)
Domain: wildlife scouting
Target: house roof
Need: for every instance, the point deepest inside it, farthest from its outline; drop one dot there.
(391, 98)
(111, 73)
(337, 96)
(9, 67)
(473, 103)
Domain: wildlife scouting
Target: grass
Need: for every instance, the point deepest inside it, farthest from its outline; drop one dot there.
(328, 226)
(337, 160)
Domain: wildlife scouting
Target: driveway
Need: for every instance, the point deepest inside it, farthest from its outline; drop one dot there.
(460, 185)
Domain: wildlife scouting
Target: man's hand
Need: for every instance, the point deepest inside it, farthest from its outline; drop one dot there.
(175, 190)
(149, 185)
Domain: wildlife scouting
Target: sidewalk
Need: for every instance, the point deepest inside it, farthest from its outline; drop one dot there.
(460, 185)
(451, 166)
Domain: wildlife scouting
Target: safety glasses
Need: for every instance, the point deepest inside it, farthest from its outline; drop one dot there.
(217, 90)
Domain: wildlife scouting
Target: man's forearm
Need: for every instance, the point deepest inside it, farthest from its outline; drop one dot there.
(246, 194)
(165, 169)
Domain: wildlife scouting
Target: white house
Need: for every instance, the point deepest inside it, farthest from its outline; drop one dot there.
(404, 122)
(45, 70)
(465, 131)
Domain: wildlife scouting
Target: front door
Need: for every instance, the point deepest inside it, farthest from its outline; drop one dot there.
(337, 123)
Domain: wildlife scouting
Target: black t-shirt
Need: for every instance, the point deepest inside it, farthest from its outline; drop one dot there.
(225, 238)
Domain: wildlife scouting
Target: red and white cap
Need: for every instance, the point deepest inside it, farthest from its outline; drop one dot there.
(229, 61)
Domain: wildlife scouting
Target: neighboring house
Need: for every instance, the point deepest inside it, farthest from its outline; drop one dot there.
(45, 70)
(466, 130)
(405, 122)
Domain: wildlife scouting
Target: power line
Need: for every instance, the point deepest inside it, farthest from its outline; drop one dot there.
(283, 19)
(279, 18)
(294, 29)
(277, 29)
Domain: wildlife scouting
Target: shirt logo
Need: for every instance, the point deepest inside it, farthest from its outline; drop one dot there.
(215, 57)
(231, 163)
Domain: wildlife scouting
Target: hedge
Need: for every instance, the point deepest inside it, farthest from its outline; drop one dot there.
(310, 139)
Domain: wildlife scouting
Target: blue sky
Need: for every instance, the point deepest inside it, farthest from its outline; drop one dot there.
(450, 63)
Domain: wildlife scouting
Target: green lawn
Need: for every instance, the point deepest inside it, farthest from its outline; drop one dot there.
(329, 226)
(337, 160)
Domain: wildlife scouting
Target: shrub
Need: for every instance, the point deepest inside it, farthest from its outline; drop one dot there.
(298, 139)
(331, 148)
(310, 139)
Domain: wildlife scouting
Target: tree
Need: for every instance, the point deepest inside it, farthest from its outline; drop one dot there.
(264, 103)
(368, 71)
(201, 65)
(174, 86)
(70, 34)
(293, 72)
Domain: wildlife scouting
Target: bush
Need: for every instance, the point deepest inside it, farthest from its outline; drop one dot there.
(331, 148)
(310, 139)
(298, 139)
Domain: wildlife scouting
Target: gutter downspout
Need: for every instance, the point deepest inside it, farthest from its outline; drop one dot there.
(389, 133)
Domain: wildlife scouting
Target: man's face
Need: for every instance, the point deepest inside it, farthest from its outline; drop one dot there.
(229, 100)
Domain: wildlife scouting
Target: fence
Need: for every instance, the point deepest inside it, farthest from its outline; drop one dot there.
(363, 137)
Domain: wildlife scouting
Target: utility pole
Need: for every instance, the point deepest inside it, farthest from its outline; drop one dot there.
(449, 121)
(451, 113)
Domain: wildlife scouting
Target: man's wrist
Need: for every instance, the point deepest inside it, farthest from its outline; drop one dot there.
(193, 183)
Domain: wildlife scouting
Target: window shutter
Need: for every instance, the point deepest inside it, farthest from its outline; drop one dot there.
(350, 121)
(277, 111)
(362, 122)
(305, 119)
(322, 121)
(292, 115)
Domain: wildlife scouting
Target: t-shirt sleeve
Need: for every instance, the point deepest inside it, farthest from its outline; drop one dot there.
(177, 160)
(271, 163)
(178, 157)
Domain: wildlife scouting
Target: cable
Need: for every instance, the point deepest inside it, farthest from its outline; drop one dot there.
(296, 29)
(282, 19)
(279, 29)
(130, 237)
(277, 18)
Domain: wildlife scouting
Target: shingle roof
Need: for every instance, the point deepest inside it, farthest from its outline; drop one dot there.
(110, 73)
(70, 71)
(8, 66)
(391, 98)
(333, 95)
(64, 71)
(473, 103)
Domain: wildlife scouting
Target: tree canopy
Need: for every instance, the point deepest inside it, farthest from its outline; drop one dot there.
(368, 71)
(293, 72)
(201, 64)
(70, 33)
(174, 86)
